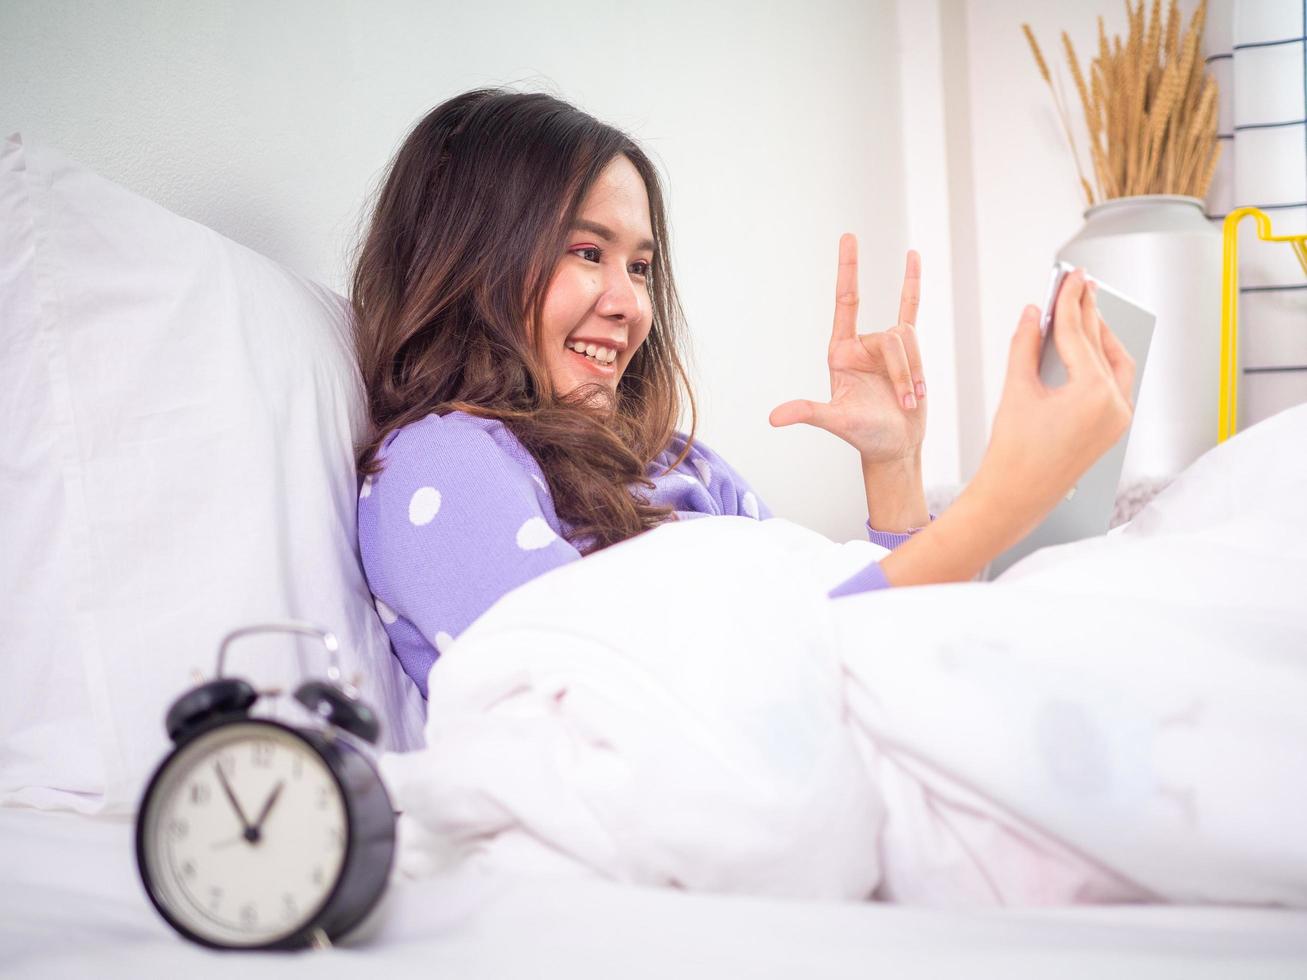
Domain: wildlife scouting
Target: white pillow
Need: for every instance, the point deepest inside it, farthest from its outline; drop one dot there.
(176, 460)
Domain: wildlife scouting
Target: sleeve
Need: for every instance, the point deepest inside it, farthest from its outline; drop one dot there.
(867, 580)
(891, 539)
(455, 522)
(872, 577)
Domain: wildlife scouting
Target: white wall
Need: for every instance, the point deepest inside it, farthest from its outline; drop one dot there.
(1028, 199)
(777, 126)
(927, 200)
(1022, 198)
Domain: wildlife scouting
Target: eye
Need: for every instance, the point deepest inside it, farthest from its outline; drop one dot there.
(645, 268)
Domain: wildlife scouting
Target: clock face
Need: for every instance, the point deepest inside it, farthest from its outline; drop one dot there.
(244, 834)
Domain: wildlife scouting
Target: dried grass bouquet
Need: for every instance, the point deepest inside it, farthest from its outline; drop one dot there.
(1150, 107)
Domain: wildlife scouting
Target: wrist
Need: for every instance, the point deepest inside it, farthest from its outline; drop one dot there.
(981, 523)
(909, 464)
(896, 499)
(954, 548)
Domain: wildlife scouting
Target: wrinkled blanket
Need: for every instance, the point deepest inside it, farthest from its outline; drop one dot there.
(1119, 719)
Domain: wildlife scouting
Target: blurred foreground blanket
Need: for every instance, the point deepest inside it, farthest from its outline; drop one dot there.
(1119, 719)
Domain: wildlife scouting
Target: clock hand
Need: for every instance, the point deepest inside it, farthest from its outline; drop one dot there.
(234, 802)
(267, 807)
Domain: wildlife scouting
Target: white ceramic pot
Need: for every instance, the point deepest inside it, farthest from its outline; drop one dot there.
(1160, 250)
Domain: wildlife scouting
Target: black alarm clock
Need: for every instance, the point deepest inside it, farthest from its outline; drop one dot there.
(253, 834)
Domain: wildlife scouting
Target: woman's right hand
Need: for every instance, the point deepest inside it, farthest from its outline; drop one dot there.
(1044, 439)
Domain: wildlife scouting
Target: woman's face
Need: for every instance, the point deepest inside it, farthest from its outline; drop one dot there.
(599, 294)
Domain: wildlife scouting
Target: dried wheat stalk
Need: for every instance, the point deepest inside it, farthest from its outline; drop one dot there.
(1150, 106)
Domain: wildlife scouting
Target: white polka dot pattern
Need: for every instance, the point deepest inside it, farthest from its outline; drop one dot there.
(750, 504)
(534, 534)
(423, 506)
(384, 611)
(704, 470)
(432, 516)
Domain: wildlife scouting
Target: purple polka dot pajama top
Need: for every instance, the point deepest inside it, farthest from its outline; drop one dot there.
(461, 514)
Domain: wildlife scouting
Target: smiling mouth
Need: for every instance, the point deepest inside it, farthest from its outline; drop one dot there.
(604, 370)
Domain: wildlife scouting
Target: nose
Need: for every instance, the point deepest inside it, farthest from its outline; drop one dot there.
(620, 298)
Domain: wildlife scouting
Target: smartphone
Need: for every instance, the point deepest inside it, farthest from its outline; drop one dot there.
(1121, 312)
(1088, 506)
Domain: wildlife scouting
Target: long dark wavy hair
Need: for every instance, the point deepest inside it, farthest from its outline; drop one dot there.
(450, 278)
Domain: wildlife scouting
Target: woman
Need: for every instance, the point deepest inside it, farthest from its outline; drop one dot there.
(520, 340)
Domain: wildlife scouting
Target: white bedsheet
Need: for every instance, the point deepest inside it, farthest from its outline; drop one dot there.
(1117, 719)
(71, 905)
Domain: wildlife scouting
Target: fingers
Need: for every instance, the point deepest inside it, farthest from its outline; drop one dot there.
(1120, 361)
(1023, 352)
(1089, 316)
(909, 302)
(846, 291)
(897, 347)
(1068, 327)
(908, 337)
(1107, 349)
(789, 413)
(910, 297)
(889, 344)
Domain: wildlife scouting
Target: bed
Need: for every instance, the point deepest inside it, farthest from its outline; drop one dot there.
(182, 416)
(73, 906)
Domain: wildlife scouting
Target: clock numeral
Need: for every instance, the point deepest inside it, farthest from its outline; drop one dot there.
(297, 767)
(262, 754)
(188, 869)
(336, 835)
(324, 797)
(215, 896)
(249, 915)
(317, 875)
(179, 828)
(288, 907)
(199, 794)
(227, 763)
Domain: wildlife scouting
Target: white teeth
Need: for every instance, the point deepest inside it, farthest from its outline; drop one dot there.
(601, 354)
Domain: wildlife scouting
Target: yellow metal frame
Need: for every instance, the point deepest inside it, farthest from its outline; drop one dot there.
(1227, 411)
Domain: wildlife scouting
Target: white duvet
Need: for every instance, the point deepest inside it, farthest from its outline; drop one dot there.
(1124, 718)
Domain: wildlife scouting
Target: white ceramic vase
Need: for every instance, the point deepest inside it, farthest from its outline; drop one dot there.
(1160, 250)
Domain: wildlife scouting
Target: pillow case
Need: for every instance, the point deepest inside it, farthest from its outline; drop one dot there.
(176, 460)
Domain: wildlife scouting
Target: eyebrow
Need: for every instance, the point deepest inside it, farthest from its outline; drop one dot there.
(606, 233)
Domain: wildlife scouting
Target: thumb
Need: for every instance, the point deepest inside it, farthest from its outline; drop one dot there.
(801, 410)
(1023, 355)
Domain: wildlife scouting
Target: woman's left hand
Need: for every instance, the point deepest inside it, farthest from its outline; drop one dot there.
(877, 387)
